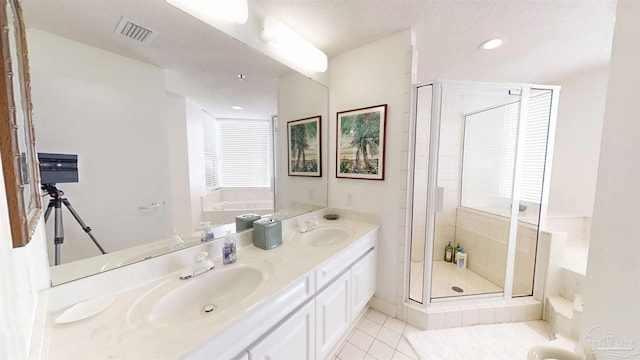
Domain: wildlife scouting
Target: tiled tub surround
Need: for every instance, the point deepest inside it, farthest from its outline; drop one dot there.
(298, 275)
(221, 206)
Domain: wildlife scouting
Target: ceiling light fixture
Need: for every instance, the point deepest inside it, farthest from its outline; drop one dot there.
(491, 44)
(293, 46)
(236, 107)
(212, 11)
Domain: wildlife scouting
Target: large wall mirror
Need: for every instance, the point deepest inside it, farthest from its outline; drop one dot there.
(137, 97)
(16, 129)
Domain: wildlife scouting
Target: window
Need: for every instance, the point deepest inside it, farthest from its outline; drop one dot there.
(237, 153)
(489, 152)
(535, 147)
(210, 152)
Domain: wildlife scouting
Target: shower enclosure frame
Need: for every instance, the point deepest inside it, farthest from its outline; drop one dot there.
(437, 89)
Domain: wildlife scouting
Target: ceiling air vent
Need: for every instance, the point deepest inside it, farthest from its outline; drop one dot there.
(135, 32)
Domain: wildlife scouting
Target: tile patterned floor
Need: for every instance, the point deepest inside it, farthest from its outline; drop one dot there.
(377, 337)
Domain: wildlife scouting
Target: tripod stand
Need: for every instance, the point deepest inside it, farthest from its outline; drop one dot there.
(56, 202)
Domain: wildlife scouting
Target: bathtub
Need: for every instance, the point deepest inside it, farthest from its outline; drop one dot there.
(243, 205)
(221, 206)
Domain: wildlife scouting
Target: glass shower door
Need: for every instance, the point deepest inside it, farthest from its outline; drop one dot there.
(535, 148)
(476, 153)
(479, 188)
(419, 236)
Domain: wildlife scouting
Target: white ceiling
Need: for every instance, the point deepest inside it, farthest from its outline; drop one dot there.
(544, 40)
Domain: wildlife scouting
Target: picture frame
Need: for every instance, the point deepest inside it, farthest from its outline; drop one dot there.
(17, 135)
(360, 144)
(304, 144)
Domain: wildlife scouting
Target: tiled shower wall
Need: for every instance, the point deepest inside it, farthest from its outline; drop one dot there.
(485, 237)
(448, 182)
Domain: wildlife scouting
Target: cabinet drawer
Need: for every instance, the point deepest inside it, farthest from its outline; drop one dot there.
(334, 267)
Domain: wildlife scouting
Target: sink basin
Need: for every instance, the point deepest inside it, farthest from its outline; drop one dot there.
(176, 302)
(324, 237)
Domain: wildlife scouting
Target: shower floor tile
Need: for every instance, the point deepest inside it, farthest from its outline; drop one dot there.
(445, 277)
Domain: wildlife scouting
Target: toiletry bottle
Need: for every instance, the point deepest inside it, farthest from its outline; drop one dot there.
(207, 232)
(462, 259)
(229, 249)
(455, 253)
(448, 252)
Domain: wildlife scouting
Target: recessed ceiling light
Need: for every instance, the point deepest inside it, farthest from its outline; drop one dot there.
(491, 44)
(236, 107)
(242, 76)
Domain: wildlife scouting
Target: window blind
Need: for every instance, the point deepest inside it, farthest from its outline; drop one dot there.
(244, 152)
(210, 152)
(535, 147)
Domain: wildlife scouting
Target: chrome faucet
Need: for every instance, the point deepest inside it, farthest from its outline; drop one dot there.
(309, 224)
(202, 265)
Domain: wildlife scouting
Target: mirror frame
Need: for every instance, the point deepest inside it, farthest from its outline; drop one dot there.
(23, 216)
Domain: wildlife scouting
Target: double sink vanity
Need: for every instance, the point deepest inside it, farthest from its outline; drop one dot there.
(295, 301)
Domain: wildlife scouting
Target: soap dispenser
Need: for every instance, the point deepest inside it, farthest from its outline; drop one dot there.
(207, 232)
(229, 249)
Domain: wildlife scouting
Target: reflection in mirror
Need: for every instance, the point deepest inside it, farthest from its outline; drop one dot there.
(152, 126)
(299, 194)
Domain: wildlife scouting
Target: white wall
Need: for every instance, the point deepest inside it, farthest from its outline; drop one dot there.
(577, 145)
(300, 98)
(187, 177)
(377, 73)
(23, 272)
(195, 141)
(110, 110)
(612, 288)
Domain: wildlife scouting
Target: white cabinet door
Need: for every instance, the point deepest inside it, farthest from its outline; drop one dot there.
(363, 282)
(333, 314)
(294, 339)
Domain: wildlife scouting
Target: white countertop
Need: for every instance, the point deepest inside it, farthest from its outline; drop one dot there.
(112, 334)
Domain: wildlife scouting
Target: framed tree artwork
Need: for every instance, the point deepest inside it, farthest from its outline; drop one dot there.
(305, 153)
(360, 144)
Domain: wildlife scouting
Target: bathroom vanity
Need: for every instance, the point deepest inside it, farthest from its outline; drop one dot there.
(295, 301)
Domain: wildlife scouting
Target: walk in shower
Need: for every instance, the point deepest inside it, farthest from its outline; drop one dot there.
(481, 169)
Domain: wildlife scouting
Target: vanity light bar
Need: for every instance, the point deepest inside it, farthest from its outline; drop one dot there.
(292, 45)
(213, 11)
